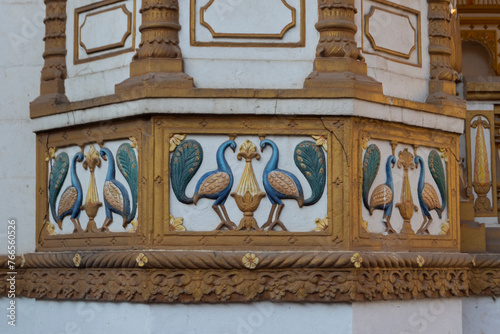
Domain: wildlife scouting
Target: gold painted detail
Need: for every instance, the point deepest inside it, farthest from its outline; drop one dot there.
(248, 194)
(175, 140)
(356, 259)
(51, 154)
(77, 260)
(321, 224)
(141, 260)
(177, 224)
(92, 203)
(51, 229)
(445, 228)
(482, 180)
(321, 141)
(250, 260)
(420, 261)
(406, 206)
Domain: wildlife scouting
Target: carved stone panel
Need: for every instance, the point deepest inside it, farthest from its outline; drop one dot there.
(262, 23)
(103, 29)
(392, 31)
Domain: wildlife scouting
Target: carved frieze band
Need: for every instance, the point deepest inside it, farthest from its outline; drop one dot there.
(195, 277)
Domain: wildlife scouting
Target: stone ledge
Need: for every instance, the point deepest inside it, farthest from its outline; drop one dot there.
(264, 94)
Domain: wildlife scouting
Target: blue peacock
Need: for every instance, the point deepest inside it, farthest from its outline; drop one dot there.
(72, 198)
(116, 197)
(280, 184)
(383, 195)
(427, 196)
(215, 185)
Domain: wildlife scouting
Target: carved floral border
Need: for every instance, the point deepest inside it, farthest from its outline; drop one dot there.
(190, 277)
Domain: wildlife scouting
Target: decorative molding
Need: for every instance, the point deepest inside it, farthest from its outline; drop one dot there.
(301, 23)
(52, 90)
(188, 277)
(215, 34)
(373, 42)
(443, 43)
(77, 42)
(158, 60)
(478, 181)
(387, 54)
(339, 63)
(482, 30)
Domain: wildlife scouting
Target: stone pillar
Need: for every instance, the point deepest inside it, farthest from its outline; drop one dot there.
(52, 90)
(339, 63)
(442, 47)
(158, 62)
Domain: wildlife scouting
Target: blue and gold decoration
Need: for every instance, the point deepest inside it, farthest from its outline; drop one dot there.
(427, 196)
(382, 197)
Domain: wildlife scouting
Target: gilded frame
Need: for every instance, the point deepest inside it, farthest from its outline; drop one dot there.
(165, 127)
(370, 129)
(81, 136)
(490, 116)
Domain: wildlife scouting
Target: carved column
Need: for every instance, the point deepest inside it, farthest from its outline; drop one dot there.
(158, 62)
(442, 51)
(339, 63)
(52, 90)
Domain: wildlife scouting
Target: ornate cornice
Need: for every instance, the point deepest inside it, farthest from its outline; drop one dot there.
(222, 276)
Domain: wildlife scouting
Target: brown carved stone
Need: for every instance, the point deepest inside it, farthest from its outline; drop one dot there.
(339, 63)
(209, 277)
(52, 91)
(158, 61)
(442, 45)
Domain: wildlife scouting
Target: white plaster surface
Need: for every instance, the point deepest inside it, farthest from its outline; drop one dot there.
(20, 67)
(267, 17)
(392, 31)
(333, 107)
(57, 317)
(99, 77)
(398, 79)
(481, 315)
(443, 316)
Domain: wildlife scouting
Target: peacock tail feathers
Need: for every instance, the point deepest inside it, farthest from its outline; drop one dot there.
(310, 160)
(56, 180)
(371, 164)
(126, 161)
(437, 171)
(184, 163)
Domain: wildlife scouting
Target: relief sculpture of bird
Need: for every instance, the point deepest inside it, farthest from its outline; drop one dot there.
(72, 198)
(116, 197)
(382, 196)
(215, 185)
(427, 196)
(280, 184)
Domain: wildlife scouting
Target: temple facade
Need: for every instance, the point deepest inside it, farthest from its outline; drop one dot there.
(263, 166)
